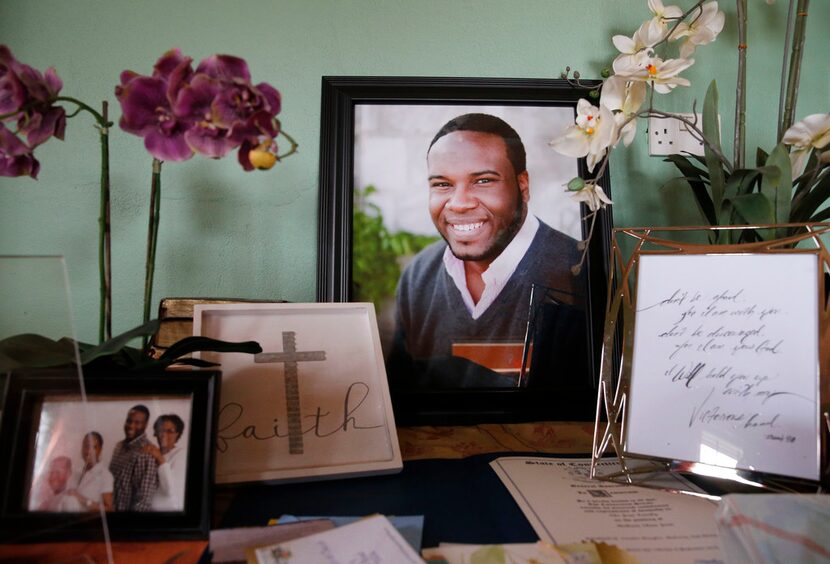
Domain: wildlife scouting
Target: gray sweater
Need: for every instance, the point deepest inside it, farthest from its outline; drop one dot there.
(431, 315)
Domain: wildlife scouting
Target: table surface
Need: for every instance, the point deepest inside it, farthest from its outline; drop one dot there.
(446, 478)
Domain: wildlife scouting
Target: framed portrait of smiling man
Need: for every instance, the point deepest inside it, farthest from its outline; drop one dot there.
(442, 203)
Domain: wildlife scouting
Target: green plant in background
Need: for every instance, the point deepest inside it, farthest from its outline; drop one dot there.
(27, 351)
(790, 184)
(773, 192)
(376, 251)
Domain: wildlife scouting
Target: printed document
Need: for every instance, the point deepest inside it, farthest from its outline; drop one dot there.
(564, 506)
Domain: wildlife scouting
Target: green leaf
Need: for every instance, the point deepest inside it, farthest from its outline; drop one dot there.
(685, 161)
(692, 176)
(701, 160)
(711, 129)
(777, 185)
(761, 157)
(823, 215)
(812, 197)
(755, 208)
(740, 182)
(34, 351)
(119, 342)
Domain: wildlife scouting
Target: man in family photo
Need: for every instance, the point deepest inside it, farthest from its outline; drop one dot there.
(134, 470)
(474, 286)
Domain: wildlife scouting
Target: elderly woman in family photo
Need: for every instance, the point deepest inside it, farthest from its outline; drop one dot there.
(172, 463)
(50, 489)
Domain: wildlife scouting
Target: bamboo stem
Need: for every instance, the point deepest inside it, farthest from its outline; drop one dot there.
(799, 36)
(782, 93)
(739, 145)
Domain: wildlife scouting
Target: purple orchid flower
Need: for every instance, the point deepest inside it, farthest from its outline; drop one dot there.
(16, 158)
(210, 111)
(12, 91)
(29, 96)
(147, 104)
(245, 110)
(205, 136)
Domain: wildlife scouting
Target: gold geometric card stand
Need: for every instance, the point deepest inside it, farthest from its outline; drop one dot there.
(716, 358)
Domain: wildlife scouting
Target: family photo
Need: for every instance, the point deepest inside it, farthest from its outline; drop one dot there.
(115, 454)
(473, 203)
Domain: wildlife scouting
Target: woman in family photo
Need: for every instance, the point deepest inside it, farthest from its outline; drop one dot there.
(92, 486)
(172, 463)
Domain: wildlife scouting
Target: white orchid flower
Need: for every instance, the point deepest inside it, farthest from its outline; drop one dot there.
(589, 136)
(593, 196)
(662, 13)
(647, 35)
(704, 27)
(662, 75)
(813, 132)
(634, 50)
(624, 98)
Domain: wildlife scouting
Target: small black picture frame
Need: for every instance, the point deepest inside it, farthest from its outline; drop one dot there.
(571, 396)
(45, 417)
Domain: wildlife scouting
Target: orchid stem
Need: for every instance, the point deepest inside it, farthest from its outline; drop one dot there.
(666, 38)
(104, 247)
(101, 119)
(152, 239)
(292, 141)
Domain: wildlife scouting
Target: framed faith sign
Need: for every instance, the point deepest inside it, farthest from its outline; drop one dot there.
(314, 404)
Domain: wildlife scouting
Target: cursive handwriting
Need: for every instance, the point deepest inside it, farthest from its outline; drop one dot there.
(231, 414)
(707, 413)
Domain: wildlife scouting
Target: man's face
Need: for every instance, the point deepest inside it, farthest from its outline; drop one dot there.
(476, 199)
(90, 450)
(59, 470)
(135, 424)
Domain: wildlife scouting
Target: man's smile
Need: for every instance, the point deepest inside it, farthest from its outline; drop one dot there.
(466, 227)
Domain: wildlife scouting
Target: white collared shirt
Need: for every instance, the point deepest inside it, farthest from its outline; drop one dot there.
(497, 274)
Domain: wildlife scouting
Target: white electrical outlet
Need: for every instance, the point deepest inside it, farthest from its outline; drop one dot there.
(668, 136)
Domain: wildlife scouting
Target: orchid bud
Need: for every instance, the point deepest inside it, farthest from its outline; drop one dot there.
(575, 184)
(261, 158)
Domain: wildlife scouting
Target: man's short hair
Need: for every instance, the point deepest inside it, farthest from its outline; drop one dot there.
(485, 123)
(97, 436)
(143, 409)
(172, 418)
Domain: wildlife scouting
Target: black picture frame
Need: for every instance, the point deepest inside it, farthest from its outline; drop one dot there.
(571, 400)
(24, 401)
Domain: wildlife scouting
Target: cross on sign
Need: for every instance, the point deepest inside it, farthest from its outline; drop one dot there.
(291, 357)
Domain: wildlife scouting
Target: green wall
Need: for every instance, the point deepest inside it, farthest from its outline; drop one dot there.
(225, 232)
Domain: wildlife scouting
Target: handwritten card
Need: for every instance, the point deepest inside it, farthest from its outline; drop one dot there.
(725, 363)
(315, 403)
